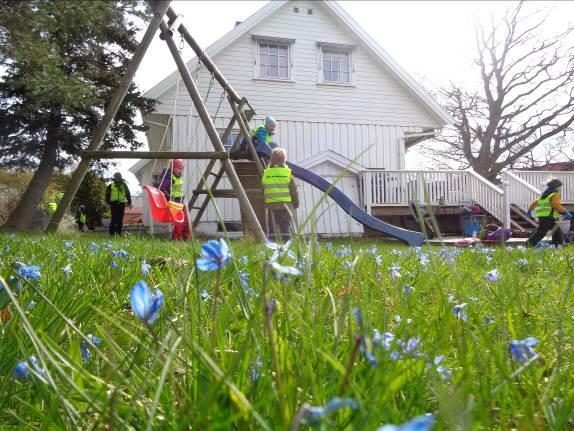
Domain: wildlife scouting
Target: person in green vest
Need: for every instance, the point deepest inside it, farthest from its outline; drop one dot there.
(54, 201)
(81, 217)
(546, 208)
(117, 197)
(172, 186)
(281, 196)
(261, 137)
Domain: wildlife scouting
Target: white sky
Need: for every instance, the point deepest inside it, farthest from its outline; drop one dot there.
(432, 41)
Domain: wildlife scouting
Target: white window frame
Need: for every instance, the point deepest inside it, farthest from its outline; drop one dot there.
(335, 47)
(234, 132)
(267, 40)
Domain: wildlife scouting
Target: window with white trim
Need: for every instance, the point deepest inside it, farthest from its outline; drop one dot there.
(336, 66)
(273, 58)
(230, 138)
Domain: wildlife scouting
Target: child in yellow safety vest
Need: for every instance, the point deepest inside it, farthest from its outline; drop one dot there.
(547, 207)
(81, 217)
(171, 184)
(281, 196)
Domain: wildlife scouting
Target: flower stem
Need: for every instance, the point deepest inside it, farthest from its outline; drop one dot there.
(214, 311)
(345, 382)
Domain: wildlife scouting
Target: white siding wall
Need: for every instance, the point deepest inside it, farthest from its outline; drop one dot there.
(375, 99)
(364, 122)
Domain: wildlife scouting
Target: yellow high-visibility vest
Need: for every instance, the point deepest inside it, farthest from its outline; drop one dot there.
(275, 182)
(118, 194)
(52, 207)
(544, 207)
(176, 187)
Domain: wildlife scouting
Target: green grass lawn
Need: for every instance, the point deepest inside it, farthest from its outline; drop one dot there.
(245, 348)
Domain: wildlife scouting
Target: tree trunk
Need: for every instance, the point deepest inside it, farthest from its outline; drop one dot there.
(21, 217)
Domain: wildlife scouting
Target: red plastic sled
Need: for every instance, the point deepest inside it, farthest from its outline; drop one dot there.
(162, 210)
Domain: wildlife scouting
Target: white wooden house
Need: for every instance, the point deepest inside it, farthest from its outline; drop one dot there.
(344, 107)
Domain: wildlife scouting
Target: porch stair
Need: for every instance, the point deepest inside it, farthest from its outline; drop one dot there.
(520, 220)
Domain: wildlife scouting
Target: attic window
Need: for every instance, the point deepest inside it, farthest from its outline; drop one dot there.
(309, 11)
(296, 10)
(273, 59)
(336, 65)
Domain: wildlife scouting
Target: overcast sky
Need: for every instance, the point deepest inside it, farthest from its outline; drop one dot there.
(433, 41)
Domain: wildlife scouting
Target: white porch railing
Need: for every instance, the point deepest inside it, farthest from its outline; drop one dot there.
(383, 188)
(538, 180)
(520, 192)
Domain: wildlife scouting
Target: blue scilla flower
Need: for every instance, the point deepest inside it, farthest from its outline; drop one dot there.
(85, 346)
(384, 341)
(315, 415)
(23, 371)
(28, 272)
(459, 310)
(94, 246)
(145, 304)
(420, 423)
(328, 246)
(522, 350)
(120, 253)
(67, 270)
(280, 250)
(492, 276)
(408, 290)
(68, 244)
(214, 255)
(281, 271)
(244, 260)
(145, 267)
(204, 294)
(114, 264)
(244, 280)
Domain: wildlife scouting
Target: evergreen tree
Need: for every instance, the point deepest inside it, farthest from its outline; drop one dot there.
(62, 60)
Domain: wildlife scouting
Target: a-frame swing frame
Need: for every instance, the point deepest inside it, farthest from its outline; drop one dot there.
(238, 104)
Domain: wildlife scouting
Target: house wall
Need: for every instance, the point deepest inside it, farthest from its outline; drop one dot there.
(363, 122)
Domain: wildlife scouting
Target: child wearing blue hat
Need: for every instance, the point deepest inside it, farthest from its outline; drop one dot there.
(261, 137)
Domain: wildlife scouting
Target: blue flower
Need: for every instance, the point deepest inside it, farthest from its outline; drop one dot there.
(459, 311)
(408, 290)
(120, 253)
(68, 244)
(280, 250)
(280, 271)
(254, 369)
(315, 415)
(244, 280)
(94, 246)
(204, 294)
(420, 423)
(28, 272)
(384, 341)
(395, 272)
(145, 267)
(328, 246)
(492, 276)
(443, 372)
(145, 304)
(85, 347)
(67, 270)
(215, 256)
(114, 264)
(522, 349)
(23, 371)
(379, 259)
(244, 260)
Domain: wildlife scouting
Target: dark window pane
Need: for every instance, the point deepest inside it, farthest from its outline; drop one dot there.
(283, 72)
(273, 72)
(283, 61)
(273, 60)
(335, 75)
(272, 49)
(326, 75)
(283, 51)
(326, 65)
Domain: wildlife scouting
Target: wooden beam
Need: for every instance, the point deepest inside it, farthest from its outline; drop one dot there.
(228, 193)
(159, 9)
(250, 216)
(188, 155)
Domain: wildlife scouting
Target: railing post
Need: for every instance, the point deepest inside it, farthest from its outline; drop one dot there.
(368, 191)
(505, 204)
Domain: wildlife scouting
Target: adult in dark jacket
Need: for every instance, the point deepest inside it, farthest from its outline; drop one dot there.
(117, 197)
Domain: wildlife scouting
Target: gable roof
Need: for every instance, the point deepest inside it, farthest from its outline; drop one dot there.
(339, 14)
(334, 158)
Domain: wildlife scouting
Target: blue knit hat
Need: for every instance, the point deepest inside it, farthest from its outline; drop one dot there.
(269, 121)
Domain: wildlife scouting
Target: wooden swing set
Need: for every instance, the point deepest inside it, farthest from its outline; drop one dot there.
(242, 114)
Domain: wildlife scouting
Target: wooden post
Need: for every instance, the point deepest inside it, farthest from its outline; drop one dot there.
(160, 8)
(250, 216)
(204, 58)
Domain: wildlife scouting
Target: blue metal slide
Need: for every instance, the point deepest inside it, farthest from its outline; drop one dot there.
(410, 237)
